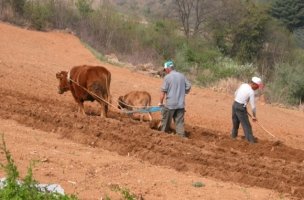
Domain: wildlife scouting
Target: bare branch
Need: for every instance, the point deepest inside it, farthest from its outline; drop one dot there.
(184, 8)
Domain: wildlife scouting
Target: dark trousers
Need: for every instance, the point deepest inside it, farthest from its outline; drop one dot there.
(178, 117)
(240, 116)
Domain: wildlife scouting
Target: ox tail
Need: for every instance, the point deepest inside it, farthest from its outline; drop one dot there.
(148, 106)
(108, 81)
(97, 89)
(150, 100)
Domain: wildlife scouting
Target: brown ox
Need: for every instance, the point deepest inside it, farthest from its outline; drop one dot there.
(87, 83)
(135, 100)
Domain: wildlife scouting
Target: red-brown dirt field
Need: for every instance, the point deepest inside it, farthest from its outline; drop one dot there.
(89, 155)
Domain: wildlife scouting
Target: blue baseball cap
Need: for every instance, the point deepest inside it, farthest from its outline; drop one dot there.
(168, 64)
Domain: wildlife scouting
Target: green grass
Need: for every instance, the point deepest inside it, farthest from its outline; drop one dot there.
(198, 184)
(14, 189)
(126, 194)
(97, 55)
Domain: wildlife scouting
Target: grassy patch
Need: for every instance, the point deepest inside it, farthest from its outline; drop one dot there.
(198, 184)
(97, 54)
(27, 188)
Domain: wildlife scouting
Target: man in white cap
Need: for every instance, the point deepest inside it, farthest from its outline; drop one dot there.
(174, 89)
(243, 95)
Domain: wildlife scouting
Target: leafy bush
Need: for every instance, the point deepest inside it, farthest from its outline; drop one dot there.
(278, 46)
(13, 189)
(38, 13)
(289, 12)
(225, 68)
(106, 30)
(198, 184)
(288, 86)
(230, 68)
(84, 7)
(161, 36)
(249, 36)
(63, 14)
(299, 36)
(196, 55)
(18, 6)
(126, 194)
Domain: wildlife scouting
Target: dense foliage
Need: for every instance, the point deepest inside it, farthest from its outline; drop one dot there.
(209, 40)
(289, 12)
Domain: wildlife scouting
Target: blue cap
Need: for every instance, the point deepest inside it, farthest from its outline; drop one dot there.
(168, 64)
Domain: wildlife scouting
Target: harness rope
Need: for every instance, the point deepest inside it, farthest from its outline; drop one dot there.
(140, 109)
(93, 94)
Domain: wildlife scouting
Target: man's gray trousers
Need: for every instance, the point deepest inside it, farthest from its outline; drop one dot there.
(240, 116)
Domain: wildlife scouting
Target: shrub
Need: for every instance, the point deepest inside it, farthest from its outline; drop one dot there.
(63, 14)
(288, 86)
(13, 189)
(38, 13)
(84, 7)
(161, 36)
(199, 56)
(198, 184)
(225, 68)
(126, 194)
(249, 36)
(18, 6)
(106, 30)
(289, 12)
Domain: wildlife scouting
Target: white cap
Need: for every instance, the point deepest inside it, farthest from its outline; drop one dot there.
(256, 80)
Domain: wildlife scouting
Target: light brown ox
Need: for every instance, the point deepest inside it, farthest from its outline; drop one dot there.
(85, 82)
(135, 100)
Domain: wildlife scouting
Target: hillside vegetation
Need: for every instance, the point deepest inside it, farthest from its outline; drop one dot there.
(209, 40)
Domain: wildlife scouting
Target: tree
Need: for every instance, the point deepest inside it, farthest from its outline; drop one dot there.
(230, 15)
(3, 6)
(193, 13)
(249, 36)
(289, 12)
(184, 9)
(299, 36)
(239, 30)
(18, 6)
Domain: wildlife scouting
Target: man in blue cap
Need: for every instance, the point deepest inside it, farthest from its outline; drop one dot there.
(174, 89)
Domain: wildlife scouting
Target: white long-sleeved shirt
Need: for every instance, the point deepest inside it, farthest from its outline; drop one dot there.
(244, 94)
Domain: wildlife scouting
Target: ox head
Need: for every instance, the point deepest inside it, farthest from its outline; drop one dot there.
(121, 102)
(63, 81)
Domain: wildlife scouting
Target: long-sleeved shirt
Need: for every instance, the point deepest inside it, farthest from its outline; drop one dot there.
(175, 86)
(244, 94)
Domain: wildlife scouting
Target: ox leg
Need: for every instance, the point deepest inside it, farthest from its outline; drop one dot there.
(150, 117)
(81, 108)
(104, 109)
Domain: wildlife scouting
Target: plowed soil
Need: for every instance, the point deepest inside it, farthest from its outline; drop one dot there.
(89, 155)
